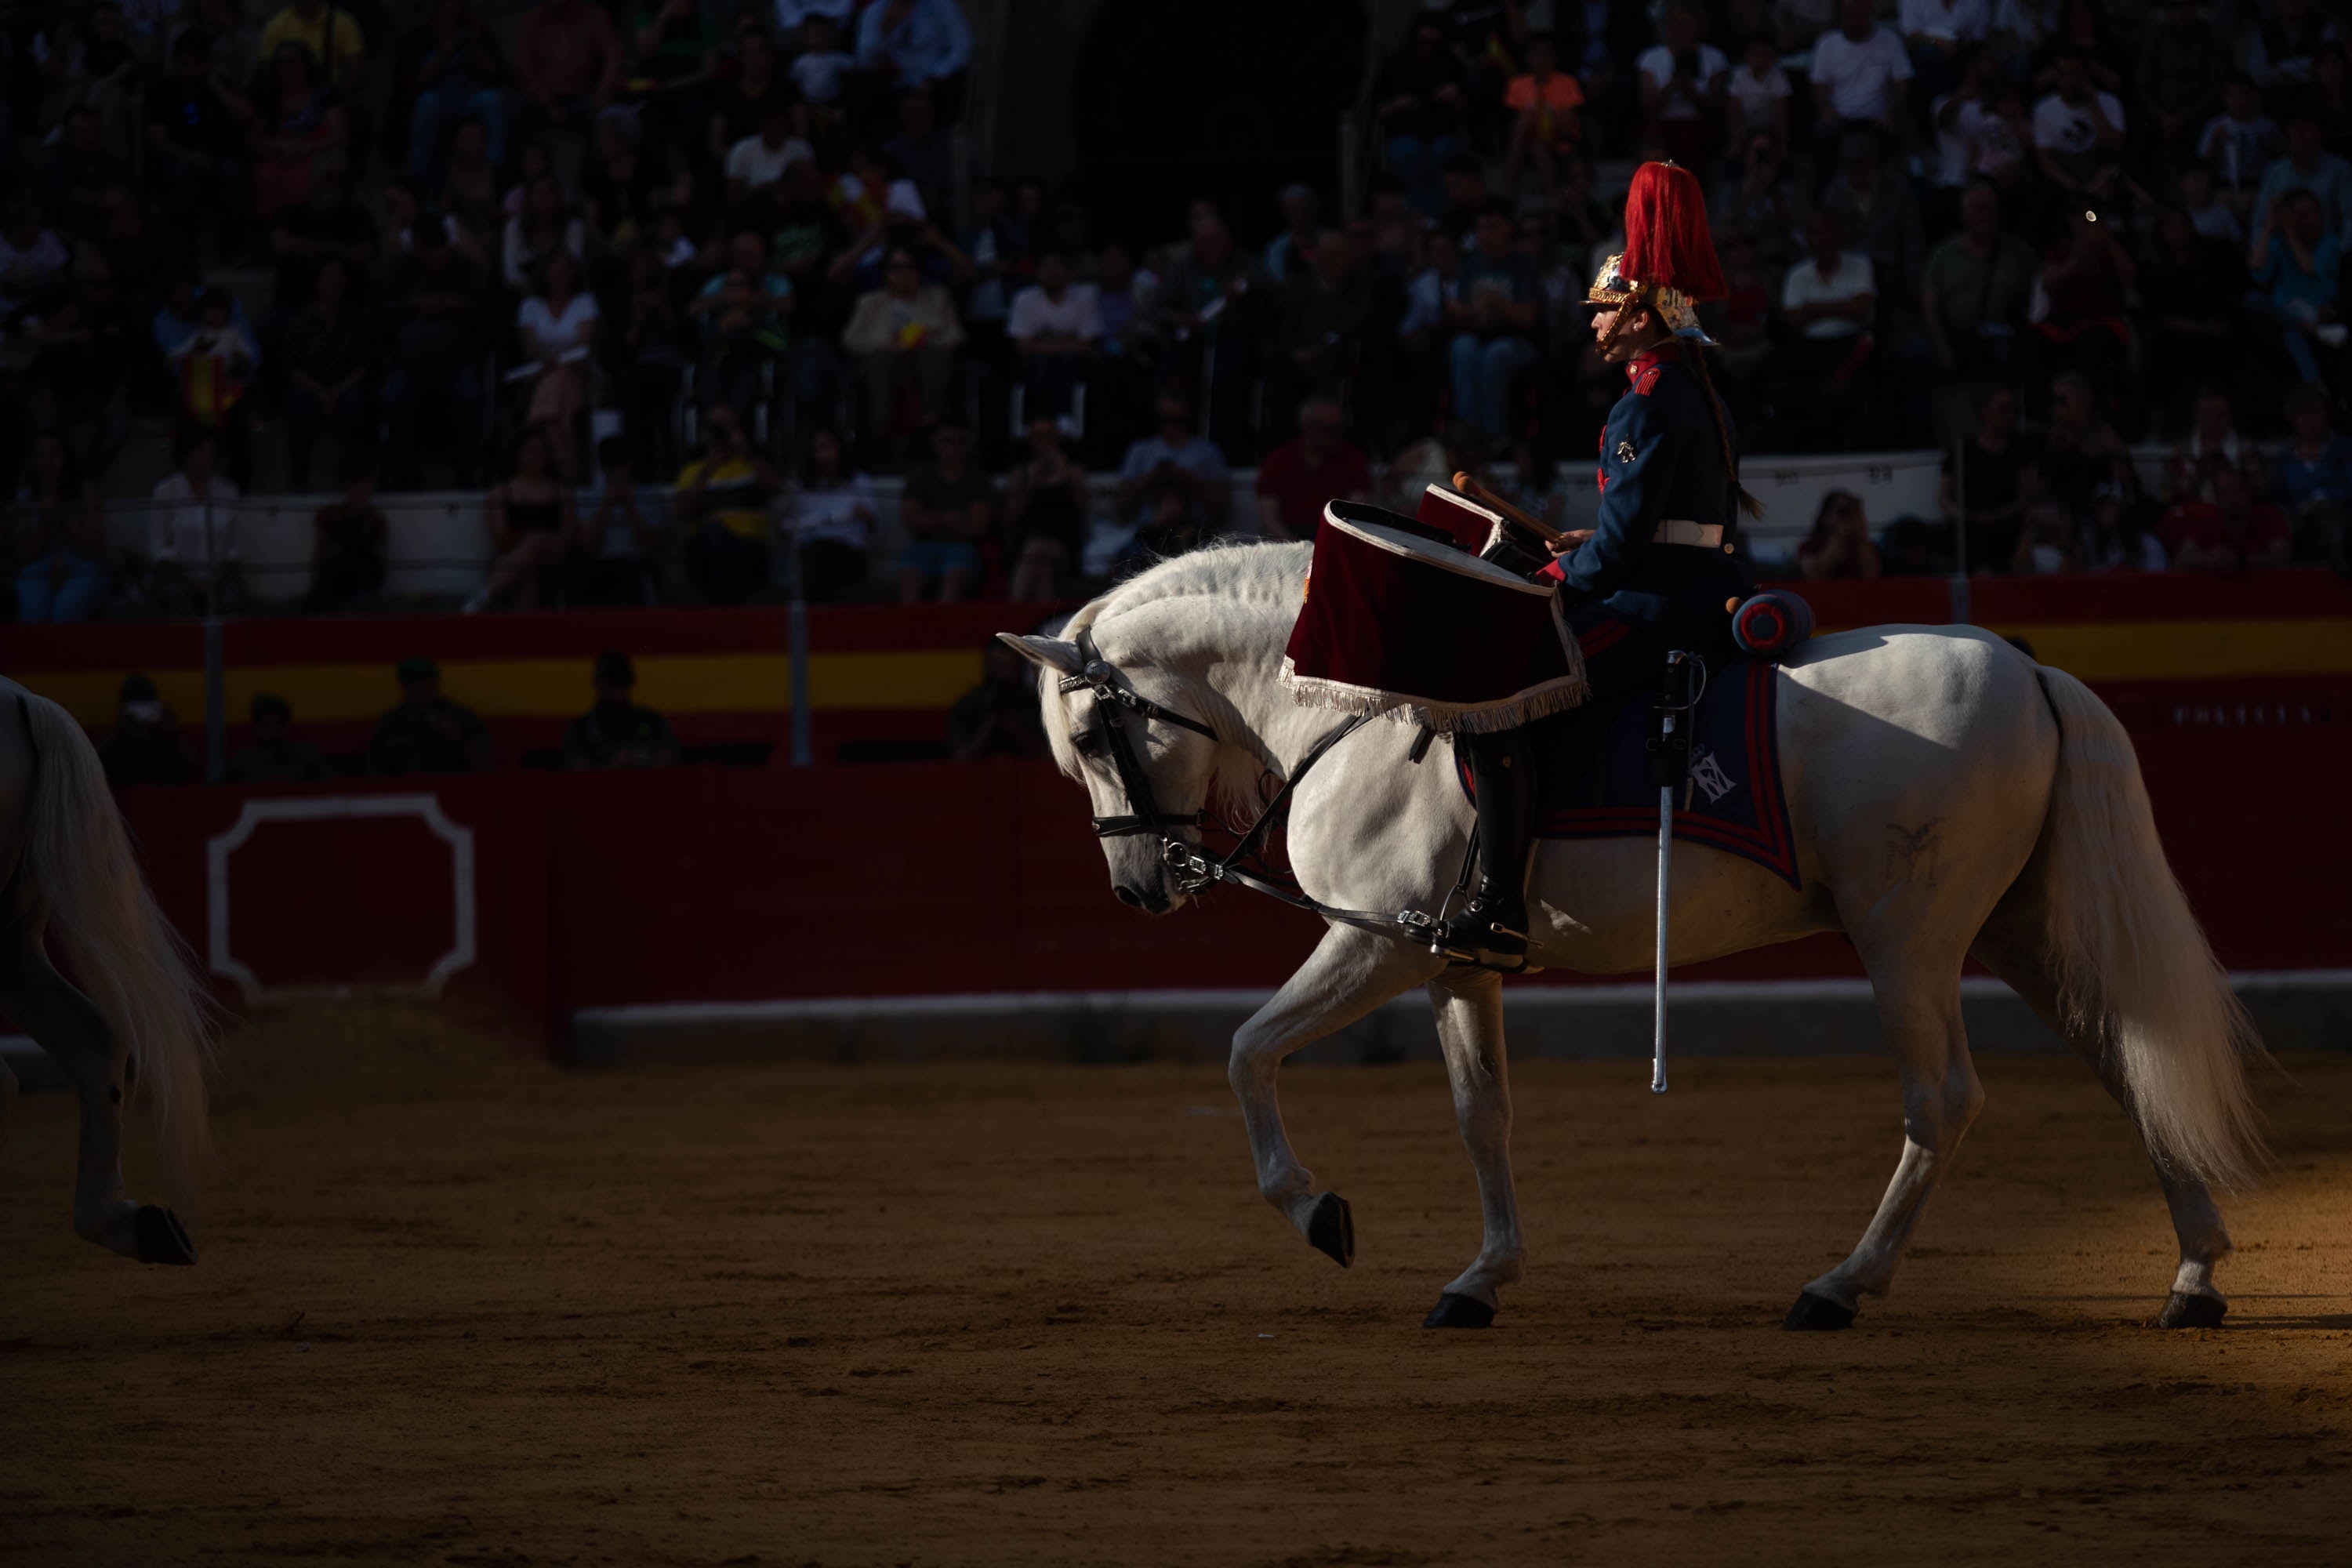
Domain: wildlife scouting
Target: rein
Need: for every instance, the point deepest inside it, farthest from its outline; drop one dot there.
(1193, 870)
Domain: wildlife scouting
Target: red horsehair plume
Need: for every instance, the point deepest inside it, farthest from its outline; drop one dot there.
(1666, 241)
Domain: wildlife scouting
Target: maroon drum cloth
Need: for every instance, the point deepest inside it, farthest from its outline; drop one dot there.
(1417, 631)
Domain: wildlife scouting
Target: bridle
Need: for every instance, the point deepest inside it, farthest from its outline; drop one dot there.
(1189, 869)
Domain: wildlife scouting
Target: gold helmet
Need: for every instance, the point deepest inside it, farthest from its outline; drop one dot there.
(1612, 287)
(1668, 253)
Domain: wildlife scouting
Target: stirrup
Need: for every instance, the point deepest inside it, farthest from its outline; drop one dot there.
(1474, 936)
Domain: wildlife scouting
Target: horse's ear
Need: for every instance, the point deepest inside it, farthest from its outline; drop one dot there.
(1044, 651)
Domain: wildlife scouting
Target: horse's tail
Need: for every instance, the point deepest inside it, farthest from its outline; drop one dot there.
(105, 926)
(2135, 974)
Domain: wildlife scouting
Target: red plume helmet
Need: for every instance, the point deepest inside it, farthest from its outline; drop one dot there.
(1666, 241)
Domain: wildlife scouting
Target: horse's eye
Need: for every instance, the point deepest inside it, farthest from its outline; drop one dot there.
(1084, 743)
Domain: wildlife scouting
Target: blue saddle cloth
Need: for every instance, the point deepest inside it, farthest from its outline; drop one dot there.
(1732, 801)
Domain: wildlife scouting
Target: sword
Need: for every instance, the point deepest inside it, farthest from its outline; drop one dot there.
(1669, 766)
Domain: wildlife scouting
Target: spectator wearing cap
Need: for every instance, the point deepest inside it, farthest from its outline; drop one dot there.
(568, 62)
(616, 732)
(195, 144)
(427, 732)
(902, 337)
(449, 68)
(440, 302)
(192, 533)
(1317, 466)
(1681, 87)
(2307, 166)
(1419, 100)
(1861, 75)
(274, 756)
(1054, 326)
(348, 540)
(144, 746)
(916, 43)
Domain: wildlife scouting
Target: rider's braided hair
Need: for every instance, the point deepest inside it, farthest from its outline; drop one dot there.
(1750, 507)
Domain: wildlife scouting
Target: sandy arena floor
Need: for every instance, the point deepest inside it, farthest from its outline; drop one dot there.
(457, 1311)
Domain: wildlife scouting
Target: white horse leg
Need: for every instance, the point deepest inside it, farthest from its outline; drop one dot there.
(2012, 953)
(1919, 1012)
(1469, 1007)
(1351, 973)
(67, 1026)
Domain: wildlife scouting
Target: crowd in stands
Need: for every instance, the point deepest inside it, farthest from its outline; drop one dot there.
(678, 280)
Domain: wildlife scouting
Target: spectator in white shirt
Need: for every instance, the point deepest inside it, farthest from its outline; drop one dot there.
(1054, 326)
(1758, 93)
(1831, 299)
(192, 549)
(830, 511)
(1860, 74)
(1681, 87)
(1939, 32)
(2076, 126)
(758, 161)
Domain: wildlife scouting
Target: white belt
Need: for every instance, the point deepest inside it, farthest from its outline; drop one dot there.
(1682, 530)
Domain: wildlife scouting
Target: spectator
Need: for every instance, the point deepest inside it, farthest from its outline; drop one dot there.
(143, 253)
(1939, 32)
(2331, 98)
(1756, 202)
(33, 260)
(557, 329)
(646, 353)
(2208, 213)
(1419, 100)
(2233, 530)
(328, 227)
(614, 557)
(568, 61)
(758, 161)
(998, 717)
(1975, 292)
(1861, 75)
(1054, 327)
(1682, 85)
(74, 180)
(195, 144)
(1880, 215)
(903, 44)
(903, 339)
(2083, 456)
(2239, 145)
(1831, 299)
(616, 732)
(85, 347)
(470, 195)
(946, 511)
(1317, 464)
(622, 187)
(329, 362)
(831, 511)
(296, 118)
(724, 496)
(1047, 506)
(2190, 293)
(2212, 438)
(2120, 539)
(2050, 543)
(440, 299)
(332, 43)
(2286, 42)
(1839, 547)
(1997, 477)
(1291, 253)
(743, 102)
(2073, 127)
(673, 48)
(1174, 487)
(1208, 307)
(545, 225)
(192, 533)
(349, 540)
(1756, 93)
(143, 748)
(2184, 77)
(821, 73)
(1494, 323)
(1547, 123)
(742, 311)
(1324, 319)
(2307, 166)
(449, 68)
(923, 151)
(534, 518)
(274, 756)
(2296, 275)
(2311, 481)
(59, 539)
(427, 732)
(215, 366)
(2085, 278)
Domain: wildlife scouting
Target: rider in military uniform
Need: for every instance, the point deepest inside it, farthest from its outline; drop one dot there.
(1659, 570)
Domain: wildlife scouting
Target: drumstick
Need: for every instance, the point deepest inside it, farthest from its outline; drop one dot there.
(1478, 492)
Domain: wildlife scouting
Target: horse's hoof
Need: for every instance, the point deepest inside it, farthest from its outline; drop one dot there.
(1331, 1230)
(1453, 1311)
(1813, 1311)
(2191, 1312)
(160, 1236)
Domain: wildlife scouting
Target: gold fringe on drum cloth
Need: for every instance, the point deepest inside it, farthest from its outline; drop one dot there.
(1540, 700)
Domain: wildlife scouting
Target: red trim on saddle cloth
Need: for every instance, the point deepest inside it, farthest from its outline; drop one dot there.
(1600, 637)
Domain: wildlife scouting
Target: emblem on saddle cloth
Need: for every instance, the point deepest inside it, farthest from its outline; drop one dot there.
(1707, 772)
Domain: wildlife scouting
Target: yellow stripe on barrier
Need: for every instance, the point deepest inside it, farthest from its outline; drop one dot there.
(2189, 650)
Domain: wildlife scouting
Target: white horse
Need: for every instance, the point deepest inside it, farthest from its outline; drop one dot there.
(1947, 798)
(69, 874)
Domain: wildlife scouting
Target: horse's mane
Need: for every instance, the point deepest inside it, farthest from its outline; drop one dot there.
(1251, 571)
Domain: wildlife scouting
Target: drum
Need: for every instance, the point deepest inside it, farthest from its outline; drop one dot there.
(1468, 524)
(1399, 625)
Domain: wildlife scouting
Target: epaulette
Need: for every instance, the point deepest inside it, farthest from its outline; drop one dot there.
(1649, 378)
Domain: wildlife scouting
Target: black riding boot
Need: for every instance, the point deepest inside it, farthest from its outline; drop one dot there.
(1493, 926)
